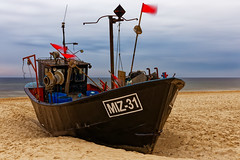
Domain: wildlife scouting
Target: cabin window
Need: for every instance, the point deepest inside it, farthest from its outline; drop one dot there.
(79, 74)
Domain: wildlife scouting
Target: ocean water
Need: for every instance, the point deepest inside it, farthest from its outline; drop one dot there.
(211, 84)
(13, 87)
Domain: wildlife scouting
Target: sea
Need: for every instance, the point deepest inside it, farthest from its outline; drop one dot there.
(13, 87)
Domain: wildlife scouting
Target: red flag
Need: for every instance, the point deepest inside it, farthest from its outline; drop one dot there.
(68, 55)
(59, 48)
(63, 51)
(152, 9)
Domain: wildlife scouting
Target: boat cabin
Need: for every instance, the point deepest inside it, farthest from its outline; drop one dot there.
(57, 76)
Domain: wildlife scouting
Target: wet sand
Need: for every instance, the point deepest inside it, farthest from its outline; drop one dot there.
(202, 125)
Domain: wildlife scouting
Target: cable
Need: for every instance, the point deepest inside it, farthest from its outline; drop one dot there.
(118, 52)
(30, 75)
(23, 70)
(117, 49)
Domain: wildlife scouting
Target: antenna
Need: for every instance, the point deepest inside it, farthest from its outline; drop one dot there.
(65, 13)
(63, 26)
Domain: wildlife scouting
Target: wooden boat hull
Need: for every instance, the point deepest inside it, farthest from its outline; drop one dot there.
(130, 117)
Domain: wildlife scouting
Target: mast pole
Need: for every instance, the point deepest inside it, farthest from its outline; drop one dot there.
(111, 49)
(119, 12)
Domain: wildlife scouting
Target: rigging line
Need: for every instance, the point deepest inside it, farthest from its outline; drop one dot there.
(120, 59)
(117, 49)
(119, 53)
(31, 75)
(120, 62)
(23, 70)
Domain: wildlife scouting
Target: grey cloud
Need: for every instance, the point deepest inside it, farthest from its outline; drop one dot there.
(190, 37)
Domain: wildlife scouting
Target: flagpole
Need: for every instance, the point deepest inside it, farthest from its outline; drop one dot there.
(140, 17)
(135, 45)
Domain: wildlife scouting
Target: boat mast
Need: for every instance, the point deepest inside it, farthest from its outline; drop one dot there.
(111, 48)
(64, 44)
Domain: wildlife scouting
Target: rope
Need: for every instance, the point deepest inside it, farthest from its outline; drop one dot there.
(30, 75)
(118, 52)
(117, 49)
(120, 62)
(23, 70)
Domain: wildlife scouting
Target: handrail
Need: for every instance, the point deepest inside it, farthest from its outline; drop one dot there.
(97, 20)
(108, 16)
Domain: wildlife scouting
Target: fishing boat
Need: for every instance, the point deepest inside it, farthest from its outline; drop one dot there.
(129, 114)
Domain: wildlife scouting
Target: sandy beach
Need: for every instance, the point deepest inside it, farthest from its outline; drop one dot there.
(202, 125)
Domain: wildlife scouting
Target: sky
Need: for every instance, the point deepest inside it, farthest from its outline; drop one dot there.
(192, 38)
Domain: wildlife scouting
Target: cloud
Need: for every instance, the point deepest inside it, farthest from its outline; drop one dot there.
(193, 38)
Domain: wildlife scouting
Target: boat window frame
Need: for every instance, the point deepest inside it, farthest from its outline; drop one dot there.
(78, 74)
